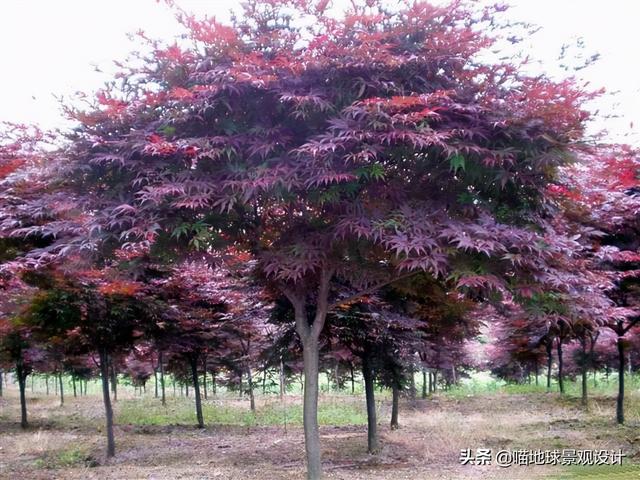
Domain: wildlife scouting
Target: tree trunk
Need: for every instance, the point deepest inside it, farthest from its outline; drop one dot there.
(162, 386)
(620, 400)
(46, 382)
(213, 382)
(196, 389)
(424, 383)
(204, 385)
(560, 366)
(114, 382)
(372, 433)
(353, 379)
(537, 372)
(282, 379)
(310, 407)
(309, 335)
(549, 362)
(73, 383)
(412, 383)
(395, 396)
(204, 376)
(104, 374)
(435, 380)
(583, 370)
(61, 389)
(264, 381)
(1, 383)
(252, 400)
(430, 382)
(155, 383)
(22, 378)
(584, 386)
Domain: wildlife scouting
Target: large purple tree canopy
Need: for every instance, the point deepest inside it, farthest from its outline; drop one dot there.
(352, 149)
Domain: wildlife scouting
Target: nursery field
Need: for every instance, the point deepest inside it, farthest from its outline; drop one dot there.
(156, 442)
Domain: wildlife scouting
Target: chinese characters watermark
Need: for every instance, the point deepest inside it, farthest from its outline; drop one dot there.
(568, 456)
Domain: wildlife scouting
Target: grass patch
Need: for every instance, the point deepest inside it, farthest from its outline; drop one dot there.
(74, 456)
(608, 472)
(182, 411)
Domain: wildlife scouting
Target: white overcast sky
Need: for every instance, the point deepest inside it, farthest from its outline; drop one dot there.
(50, 47)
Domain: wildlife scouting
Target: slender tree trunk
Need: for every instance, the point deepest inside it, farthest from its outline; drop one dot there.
(108, 410)
(252, 400)
(353, 379)
(264, 381)
(309, 335)
(537, 372)
(372, 424)
(155, 382)
(424, 383)
(584, 368)
(204, 385)
(196, 389)
(61, 389)
(204, 376)
(213, 382)
(430, 382)
(584, 386)
(282, 379)
(435, 380)
(114, 382)
(620, 400)
(412, 383)
(310, 408)
(73, 383)
(395, 397)
(1, 379)
(560, 366)
(22, 378)
(46, 383)
(549, 347)
(162, 386)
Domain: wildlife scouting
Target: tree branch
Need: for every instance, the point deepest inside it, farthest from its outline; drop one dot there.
(366, 291)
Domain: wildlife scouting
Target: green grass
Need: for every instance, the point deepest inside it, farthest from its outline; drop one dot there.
(181, 411)
(605, 472)
(483, 383)
(69, 457)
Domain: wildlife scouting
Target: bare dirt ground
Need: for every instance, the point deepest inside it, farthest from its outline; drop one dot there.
(68, 443)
